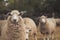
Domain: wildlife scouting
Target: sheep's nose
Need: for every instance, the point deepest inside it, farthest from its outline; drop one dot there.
(14, 20)
(26, 39)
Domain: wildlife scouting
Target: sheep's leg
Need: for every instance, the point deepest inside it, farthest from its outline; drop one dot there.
(27, 34)
(48, 37)
(44, 37)
(52, 36)
(27, 38)
(35, 36)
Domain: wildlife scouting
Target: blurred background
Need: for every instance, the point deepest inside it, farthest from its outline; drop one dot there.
(34, 8)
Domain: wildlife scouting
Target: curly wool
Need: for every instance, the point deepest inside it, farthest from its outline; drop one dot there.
(14, 32)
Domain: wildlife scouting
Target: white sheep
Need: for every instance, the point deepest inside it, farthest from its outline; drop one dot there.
(31, 28)
(47, 27)
(14, 28)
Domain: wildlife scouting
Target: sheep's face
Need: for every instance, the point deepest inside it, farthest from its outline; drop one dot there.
(15, 16)
(43, 19)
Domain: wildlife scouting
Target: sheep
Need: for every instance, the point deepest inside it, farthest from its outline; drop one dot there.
(14, 28)
(47, 27)
(2, 23)
(31, 28)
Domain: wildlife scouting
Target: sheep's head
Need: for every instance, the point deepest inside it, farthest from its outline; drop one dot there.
(15, 15)
(43, 19)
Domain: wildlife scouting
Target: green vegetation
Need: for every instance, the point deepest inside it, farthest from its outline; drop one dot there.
(35, 6)
(31, 4)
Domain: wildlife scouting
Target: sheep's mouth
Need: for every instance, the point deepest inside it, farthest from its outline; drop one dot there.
(16, 23)
(43, 22)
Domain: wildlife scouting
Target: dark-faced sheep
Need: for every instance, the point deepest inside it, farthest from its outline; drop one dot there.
(31, 28)
(14, 28)
(47, 27)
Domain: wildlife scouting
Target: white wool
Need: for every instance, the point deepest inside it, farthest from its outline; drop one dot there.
(16, 17)
(31, 28)
(27, 34)
(15, 11)
(43, 20)
(48, 28)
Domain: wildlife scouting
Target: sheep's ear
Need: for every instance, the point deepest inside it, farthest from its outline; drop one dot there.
(22, 12)
(39, 17)
(46, 16)
(8, 13)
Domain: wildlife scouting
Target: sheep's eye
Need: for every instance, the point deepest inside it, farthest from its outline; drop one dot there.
(19, 14)
(10, 15)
